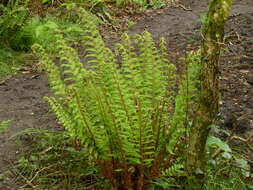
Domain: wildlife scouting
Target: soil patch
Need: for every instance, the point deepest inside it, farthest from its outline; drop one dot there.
(21, 96)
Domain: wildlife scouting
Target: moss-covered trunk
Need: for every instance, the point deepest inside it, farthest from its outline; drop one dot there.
(213, 34)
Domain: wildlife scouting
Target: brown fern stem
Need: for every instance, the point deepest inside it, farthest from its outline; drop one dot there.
(160, 111)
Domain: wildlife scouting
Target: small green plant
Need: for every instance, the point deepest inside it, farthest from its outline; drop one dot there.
(4, 125)
(203, 18)
(47, 1)
(5, 66)
(130, 24)
(143, 4)
(157, 4)
(122, 113)
(223, 174)
(11, 23)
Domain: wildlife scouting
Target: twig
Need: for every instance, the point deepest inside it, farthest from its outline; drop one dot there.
(218, 151)
(184, 36)
(244, 158)
(234, 15)
(89, 187)
(183, 7)
(17, 172)
(26, 180)
(37, 173)
(2, 82)
(238, 36)
(246, 141)
(219, 43)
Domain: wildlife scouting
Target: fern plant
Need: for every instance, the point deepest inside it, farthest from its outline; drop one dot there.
(119, 105)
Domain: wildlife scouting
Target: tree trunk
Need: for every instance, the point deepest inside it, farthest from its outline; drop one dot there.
(213, 34)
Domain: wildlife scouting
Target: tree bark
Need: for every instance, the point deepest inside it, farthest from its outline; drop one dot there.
(213, 34)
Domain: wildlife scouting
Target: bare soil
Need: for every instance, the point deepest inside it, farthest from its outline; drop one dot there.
(21, 96)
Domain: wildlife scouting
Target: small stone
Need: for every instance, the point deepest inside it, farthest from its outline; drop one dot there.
(249, 78)
(242, 126)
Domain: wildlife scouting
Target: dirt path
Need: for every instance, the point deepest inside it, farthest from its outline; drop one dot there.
(21, 96)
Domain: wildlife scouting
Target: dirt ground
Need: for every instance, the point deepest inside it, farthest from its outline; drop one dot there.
(21, 96)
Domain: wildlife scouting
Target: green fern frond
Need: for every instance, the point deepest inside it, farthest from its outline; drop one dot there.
(174, 170)
(186, 98)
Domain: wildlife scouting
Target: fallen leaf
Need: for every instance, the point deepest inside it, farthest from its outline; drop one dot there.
(23, 68)
(244, 71)
(26, 72)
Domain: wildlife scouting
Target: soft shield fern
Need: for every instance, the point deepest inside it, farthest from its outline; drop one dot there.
(119, 105)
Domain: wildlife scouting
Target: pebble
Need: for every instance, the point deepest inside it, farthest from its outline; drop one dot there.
(249, 78)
